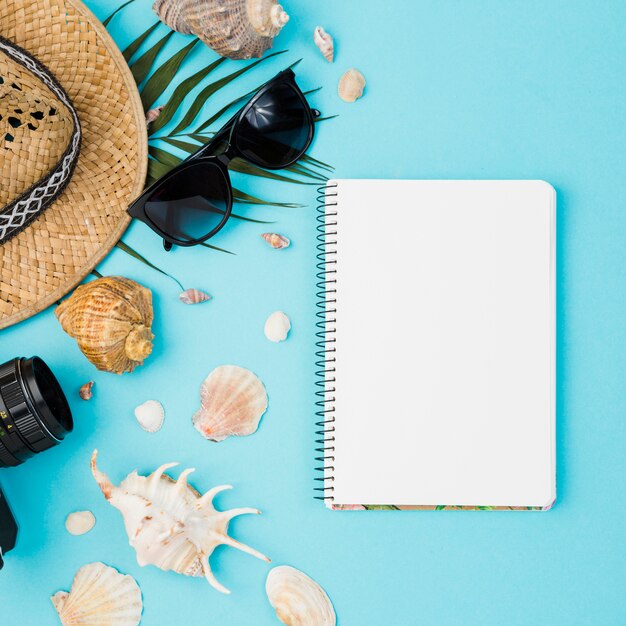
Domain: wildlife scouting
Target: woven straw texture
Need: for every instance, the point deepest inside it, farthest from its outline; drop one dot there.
(34, 121)
(54, 253)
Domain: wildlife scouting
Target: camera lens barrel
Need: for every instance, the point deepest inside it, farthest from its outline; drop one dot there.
(34, 413)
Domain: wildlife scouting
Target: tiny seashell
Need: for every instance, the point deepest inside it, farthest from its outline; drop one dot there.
(233, 401)
(277, 326)
(298, 599)
(152, 114)
(278, 242)
(325, 43)
(100, 595)
(85, 391)
(150, 415)
(80, 522)
(193, 296)
(351, 85)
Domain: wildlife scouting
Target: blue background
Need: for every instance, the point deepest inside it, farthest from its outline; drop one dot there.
(455, 90)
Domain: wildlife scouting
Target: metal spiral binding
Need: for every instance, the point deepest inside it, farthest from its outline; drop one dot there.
(325, 353)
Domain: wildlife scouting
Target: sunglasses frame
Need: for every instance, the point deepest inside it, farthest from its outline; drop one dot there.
(203, 155)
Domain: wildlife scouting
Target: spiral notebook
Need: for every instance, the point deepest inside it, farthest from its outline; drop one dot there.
(436, 345)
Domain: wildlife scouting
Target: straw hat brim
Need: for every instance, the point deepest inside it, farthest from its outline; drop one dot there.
(52, 255)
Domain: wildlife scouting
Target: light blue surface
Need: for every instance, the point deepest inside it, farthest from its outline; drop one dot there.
(485, 89)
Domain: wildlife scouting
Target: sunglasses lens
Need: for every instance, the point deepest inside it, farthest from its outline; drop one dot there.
(276, 130)
(191, 204)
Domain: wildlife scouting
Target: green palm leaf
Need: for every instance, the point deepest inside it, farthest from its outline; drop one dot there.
(163, 76)
(180, 93)
(130, 50)
(108, 19)
(212, 88)
(142, 66)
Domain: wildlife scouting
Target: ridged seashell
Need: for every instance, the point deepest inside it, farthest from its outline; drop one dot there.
(110, 318)
(325, 43)
(169, 524)
(152, 114)
(236, 29)
(351, 85)
(232, 402)
(80, 522)
(100, 595)
(277, 327)
(85, 392)
(150, 415)
(193, 296)
(278, 242)
(297, 599)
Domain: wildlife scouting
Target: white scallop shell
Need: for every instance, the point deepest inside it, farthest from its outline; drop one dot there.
(150, 415)
(232, 401)
(277, 327)
(351, 85)
(169, 524)
(79, 522)
(100, 595)
(297, 599)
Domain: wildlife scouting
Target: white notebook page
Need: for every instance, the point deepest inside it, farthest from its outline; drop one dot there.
(445, 343)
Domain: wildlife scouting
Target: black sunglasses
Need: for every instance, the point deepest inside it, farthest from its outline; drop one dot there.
(193, 201)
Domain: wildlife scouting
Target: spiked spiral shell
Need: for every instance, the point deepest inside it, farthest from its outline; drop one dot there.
(110, 318)
(169, 524)
(236, 29)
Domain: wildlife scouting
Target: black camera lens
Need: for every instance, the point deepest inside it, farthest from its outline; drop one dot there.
(34, 413)
(8, 528)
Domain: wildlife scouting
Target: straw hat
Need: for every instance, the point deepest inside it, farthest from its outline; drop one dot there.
(73, 150)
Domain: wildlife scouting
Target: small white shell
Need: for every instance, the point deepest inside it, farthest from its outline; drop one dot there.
(99, 595)
(277, 326)
(278, 242)
(297, 599)
(351, 85)
(80, 522)
(193, 296)
(150, 415)
(325, 43)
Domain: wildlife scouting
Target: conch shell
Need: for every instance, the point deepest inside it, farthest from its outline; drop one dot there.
(169, 523)
(236, 29)
(99, 595)
(232, 402)
(298, 599)
(325, 43)
(110, 318)
(351, 85)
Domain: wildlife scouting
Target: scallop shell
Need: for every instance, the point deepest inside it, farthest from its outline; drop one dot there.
(278, 242)
(236, 29)
(325, 43)
(99, 595)
(297, 599)
(169, 524)
(351, 85)
(232, 402)
(193, 296)
(150, 415)
(80, 522)
(110, 318)
(277, 327)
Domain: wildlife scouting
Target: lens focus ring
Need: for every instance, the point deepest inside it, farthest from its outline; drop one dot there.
(26, 423)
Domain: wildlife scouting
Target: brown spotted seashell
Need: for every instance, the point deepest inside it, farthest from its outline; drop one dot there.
(232, 402)
(236, 29)
(278, 242)
(110, 318)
